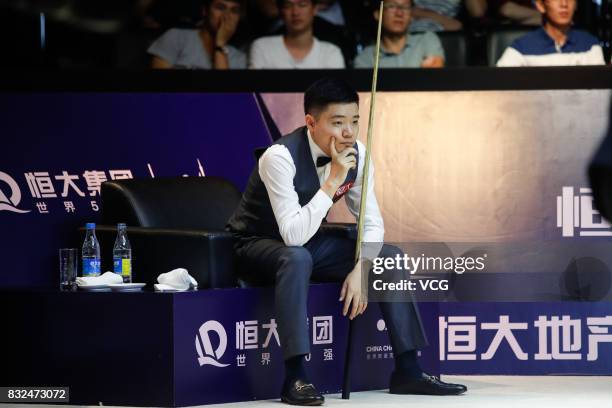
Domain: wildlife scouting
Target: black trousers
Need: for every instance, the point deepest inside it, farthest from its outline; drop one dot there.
(322, 259)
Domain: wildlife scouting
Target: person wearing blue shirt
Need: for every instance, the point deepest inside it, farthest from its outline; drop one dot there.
(555, 43)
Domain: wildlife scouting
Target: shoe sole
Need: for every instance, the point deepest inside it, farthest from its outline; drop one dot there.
(304, 404)
(402, 392)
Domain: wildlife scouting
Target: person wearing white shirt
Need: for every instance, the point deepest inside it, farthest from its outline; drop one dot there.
(297, 48)
(206, 47)
(279, 239)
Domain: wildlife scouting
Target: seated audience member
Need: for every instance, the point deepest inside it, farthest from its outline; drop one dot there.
(399, 49)
(331, 11)
(441, 15)
(556, 43)
(205, 48)
(522, 12)
(336, 21)
(297, 47)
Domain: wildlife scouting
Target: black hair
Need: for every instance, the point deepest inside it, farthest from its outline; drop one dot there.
(280, 3)
(207, 3)
(375, 5)
(326, 91)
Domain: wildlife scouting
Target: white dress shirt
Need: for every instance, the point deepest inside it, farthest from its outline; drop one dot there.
(298, 224)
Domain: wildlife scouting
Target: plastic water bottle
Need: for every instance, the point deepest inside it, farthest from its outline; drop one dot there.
(122, 254)
(91, 252)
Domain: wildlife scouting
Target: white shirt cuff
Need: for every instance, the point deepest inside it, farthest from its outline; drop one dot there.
(321, 202)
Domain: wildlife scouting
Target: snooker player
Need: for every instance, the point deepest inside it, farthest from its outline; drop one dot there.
(288, 195)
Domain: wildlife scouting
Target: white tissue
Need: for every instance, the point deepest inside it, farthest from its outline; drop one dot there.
(177, 279)
(106, 278)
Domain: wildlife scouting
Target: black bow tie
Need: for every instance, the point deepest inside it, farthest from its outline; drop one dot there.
(322, 161)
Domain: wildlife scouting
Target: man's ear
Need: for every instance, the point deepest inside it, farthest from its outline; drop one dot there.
(310, 122)
(376, 14)
(540, 6)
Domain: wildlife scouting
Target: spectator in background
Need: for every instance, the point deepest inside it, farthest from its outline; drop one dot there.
(521, 12)
(336, 21)
(267, 10)
(441, 15)
(556, 43)
(398, 48)
(297, 47)
(205, 48)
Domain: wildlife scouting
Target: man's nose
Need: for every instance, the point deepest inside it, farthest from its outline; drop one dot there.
(348, 131)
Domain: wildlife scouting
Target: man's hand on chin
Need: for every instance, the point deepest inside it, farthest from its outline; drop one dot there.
(341, 163)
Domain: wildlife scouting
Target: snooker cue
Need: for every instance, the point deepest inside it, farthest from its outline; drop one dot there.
(346, 387)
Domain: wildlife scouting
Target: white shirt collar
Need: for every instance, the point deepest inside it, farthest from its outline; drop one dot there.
(315, 150)
(299, 63)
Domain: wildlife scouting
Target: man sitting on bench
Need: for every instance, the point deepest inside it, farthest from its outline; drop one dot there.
(288, 195)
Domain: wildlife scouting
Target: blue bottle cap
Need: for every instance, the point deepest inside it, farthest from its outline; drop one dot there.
(91, 225)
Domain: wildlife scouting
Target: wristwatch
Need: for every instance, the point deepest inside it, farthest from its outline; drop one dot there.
(222, 49)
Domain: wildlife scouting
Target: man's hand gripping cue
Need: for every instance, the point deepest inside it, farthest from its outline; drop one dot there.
(352, 293)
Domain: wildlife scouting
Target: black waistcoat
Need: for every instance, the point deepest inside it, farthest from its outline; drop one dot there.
(254, 215)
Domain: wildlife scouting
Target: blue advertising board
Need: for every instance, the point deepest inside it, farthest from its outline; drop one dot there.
(58, 149)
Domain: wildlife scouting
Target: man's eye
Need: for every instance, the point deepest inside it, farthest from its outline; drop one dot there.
(337, 123)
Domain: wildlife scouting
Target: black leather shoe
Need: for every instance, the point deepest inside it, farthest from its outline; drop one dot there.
(425, 385)
(299, 392)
